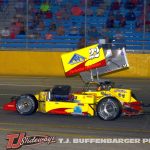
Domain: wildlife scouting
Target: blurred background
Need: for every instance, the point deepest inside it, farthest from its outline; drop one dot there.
(66, 25)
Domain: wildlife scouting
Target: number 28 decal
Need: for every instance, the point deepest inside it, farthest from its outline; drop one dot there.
(94, 53)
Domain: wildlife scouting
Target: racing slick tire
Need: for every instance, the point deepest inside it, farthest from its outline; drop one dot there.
(109, 108)
(26, 104)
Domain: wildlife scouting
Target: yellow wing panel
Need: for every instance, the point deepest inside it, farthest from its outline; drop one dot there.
(83, 59)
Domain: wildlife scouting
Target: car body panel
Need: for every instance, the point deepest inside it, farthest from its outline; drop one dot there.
(83, 103)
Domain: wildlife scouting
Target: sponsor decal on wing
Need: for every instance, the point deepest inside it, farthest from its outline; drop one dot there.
(83, 60)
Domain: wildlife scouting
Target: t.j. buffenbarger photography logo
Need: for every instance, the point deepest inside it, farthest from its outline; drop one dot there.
(16, 141)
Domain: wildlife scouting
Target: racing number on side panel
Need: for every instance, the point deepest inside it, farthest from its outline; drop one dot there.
(94, 53)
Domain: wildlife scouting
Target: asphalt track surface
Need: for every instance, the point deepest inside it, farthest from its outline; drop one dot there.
(71, 127)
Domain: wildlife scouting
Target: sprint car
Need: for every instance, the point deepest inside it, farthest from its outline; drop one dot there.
(95, 99)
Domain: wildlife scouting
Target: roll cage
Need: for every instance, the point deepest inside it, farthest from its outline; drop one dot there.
(93, 86)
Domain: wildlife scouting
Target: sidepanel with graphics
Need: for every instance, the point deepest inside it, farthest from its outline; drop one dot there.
(65, 108)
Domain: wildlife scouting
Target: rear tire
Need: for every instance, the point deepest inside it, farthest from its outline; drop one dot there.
(108, 108)
(26, 104)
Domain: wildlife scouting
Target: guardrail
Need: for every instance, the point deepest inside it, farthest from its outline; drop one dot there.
(68, 44)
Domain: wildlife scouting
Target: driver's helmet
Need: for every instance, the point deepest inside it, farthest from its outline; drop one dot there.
(102, 86)
(99, 88)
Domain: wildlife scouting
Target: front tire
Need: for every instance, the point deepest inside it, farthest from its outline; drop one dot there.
(26, 104)
(108, 108)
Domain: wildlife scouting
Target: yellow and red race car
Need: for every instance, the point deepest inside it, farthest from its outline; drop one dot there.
(96, 99)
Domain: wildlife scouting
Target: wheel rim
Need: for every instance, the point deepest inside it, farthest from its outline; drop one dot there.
(108, 110)
(24, 105)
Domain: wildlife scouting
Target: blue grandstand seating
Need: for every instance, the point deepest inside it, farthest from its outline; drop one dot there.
(4, 5)
(134, 40)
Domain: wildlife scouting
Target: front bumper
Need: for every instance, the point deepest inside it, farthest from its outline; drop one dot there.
(133, 108)
(11, 106)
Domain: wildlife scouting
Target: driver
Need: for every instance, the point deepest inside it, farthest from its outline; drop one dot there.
(99, 88)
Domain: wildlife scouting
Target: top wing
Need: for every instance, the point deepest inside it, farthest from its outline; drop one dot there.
(94, 61)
